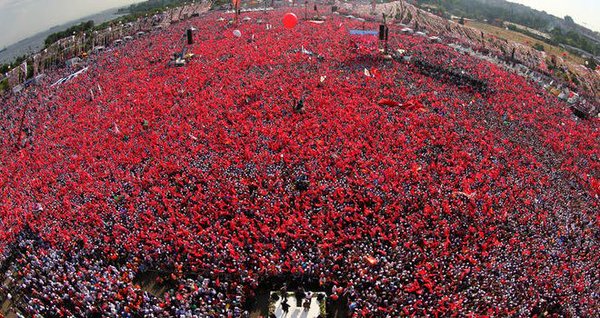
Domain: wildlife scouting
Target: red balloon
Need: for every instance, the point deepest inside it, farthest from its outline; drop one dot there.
(290, 20)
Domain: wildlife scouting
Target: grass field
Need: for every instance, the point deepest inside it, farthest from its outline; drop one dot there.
(523, 39)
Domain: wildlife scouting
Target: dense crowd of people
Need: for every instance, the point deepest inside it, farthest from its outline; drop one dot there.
(453, 201)
(486, 43)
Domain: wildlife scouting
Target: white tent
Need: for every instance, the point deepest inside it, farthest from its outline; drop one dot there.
(74, 62)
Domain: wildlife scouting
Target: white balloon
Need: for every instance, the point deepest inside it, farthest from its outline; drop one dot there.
(237, 33)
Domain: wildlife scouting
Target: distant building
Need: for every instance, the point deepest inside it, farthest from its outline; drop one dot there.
(528, 29)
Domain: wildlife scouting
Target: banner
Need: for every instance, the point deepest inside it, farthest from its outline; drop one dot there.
(363, 32)
(36, 64)
(23, 68)
(13, 77)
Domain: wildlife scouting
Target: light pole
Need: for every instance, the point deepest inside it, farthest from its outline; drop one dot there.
(73, 46)
(83, 43)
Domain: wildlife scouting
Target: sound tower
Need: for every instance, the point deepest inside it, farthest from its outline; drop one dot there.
(190, 39)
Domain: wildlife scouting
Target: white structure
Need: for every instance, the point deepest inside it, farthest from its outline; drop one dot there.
(298, 312)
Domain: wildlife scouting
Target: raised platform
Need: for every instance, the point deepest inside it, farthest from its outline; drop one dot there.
(298, 312)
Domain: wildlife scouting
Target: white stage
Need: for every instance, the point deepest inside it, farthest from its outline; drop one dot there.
(298, 312)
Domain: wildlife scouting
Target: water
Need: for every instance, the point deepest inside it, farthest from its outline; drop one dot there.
(27, 23)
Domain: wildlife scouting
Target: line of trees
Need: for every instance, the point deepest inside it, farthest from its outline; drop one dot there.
(76, 29)
(151, 5)
(492, 10)
(575, 39)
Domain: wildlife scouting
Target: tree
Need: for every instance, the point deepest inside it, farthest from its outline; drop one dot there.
(591, 64)
(538, 46)
(4, 85)
(569, 20)
(76, 29)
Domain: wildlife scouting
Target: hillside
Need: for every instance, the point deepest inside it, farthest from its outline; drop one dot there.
(491, 10)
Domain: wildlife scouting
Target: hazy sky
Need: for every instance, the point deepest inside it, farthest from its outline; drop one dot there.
(20, 19)
(584, 12)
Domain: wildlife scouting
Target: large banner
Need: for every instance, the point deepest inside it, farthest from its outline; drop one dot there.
(23, 68)
(36, 64)
(13, 77)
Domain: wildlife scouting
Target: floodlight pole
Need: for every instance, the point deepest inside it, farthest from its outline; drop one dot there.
(21, 123)
(306, 10)
(385, 34)
(237, 12)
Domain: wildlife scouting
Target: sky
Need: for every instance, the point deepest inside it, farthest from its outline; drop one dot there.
(20, 19)
(584, 12)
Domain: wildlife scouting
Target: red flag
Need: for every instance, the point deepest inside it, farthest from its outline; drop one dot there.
(388, 102)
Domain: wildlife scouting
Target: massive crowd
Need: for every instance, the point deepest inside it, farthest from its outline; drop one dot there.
(450, 201)
(483, 42)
